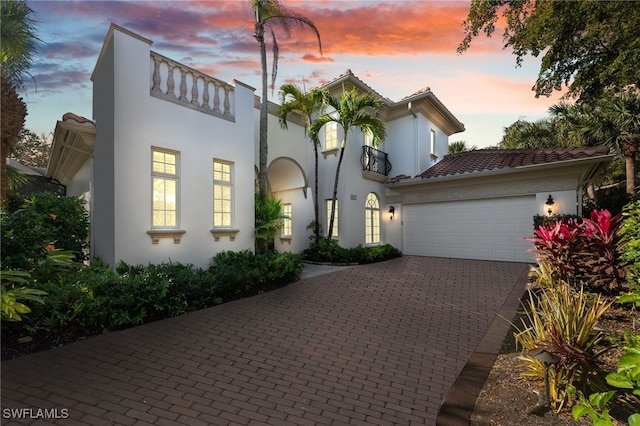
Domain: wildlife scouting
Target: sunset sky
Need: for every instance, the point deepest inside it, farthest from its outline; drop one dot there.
(396, 47)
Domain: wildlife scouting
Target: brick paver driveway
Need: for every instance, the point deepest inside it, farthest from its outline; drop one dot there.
(374, 344)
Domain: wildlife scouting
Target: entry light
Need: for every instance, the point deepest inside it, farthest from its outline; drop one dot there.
(549, 203)
(392, 212)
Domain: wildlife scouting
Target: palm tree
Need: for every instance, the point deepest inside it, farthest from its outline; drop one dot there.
(460, 146)
(616, 122)
(270, 14)
(354, 109)
(526, 134)
(18, 47)
(613, 121)
(293, 99)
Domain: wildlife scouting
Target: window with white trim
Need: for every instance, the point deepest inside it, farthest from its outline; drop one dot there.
(286, 222)
(165, 176)
(222, 194)
(372, 219)
(331, 135)
(433, 142)
(329, 203)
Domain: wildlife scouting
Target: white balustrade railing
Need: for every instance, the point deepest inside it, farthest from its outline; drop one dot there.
(195, 90)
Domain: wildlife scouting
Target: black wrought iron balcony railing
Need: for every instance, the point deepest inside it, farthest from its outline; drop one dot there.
(375, 161)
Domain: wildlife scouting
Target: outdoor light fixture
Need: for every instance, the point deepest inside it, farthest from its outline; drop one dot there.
(549, 203)
(547, 359)
(392, 211)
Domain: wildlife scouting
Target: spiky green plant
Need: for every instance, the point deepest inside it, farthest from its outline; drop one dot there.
(563, 322)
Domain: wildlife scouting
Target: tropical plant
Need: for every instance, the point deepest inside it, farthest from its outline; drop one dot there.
(308, 104)
(630, 232)
(583, 252)
(269, 221)
(32, 225)
(591, 46)
(354, 109)
(460, 146)
(562, 321)
(18, 47)
(626, 384)
(270, 14)
(616, 123)
(11, 294)
(614, 120)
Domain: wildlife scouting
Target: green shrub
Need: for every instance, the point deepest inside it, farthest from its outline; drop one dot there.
(328, 250)
(626, 389)
(40, 221)
(540, 220)
(630, 252)
(240, 272)
(96, 298)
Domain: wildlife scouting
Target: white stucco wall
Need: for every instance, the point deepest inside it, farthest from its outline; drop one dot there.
(565, 202)
(139, 122)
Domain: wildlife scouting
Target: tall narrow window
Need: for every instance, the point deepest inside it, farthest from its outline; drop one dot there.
(335, 219)
(165, 179)
(286, 222)
(331, 135)
(433, 142)
(222, 193)
(372, 219)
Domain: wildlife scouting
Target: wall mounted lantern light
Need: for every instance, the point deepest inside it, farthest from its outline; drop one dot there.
(392, 212)
(549, 203)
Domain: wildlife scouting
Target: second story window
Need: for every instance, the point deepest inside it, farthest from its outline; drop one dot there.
(331, 135)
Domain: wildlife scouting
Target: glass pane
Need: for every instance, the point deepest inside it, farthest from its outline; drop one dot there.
(158, 218)
(171, 218)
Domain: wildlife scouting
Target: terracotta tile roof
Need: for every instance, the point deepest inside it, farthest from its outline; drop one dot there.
(349, 75)
(496, 159)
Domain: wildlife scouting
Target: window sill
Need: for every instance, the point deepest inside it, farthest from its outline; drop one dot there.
(328, 152)
(224, 232)
(156, 234)
(285, 240)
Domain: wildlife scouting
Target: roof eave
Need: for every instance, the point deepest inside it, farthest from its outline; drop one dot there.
(494, 172)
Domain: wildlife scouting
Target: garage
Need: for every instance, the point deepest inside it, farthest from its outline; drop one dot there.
(487, 229)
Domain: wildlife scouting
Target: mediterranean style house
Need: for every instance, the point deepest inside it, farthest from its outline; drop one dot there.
(168, 161)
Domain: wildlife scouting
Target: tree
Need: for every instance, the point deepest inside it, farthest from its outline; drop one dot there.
(32, 150)
(590, 46)
(354, 109)
(269, 221)
(270, 14)
(18, 47)
(460, 146)
(615, 121)
(293, 99)
(526, 134)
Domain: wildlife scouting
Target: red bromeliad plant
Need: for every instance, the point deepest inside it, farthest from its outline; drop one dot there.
(585, 253)
(600, 247)
(556, 247)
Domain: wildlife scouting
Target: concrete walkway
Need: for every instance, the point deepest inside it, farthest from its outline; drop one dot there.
(379, 344)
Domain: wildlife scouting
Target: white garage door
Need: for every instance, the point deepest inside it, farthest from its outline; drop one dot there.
(490, 229)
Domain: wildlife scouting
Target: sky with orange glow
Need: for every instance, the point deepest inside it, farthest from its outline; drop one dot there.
(396, 47)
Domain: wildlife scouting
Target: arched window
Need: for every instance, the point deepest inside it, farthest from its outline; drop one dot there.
(372, 219)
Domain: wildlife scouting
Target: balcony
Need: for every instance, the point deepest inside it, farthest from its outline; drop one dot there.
(375, 164)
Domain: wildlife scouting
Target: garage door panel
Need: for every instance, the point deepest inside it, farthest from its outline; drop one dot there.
(471, 229)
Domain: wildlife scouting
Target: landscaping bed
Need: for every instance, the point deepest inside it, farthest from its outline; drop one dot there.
(507, 397)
